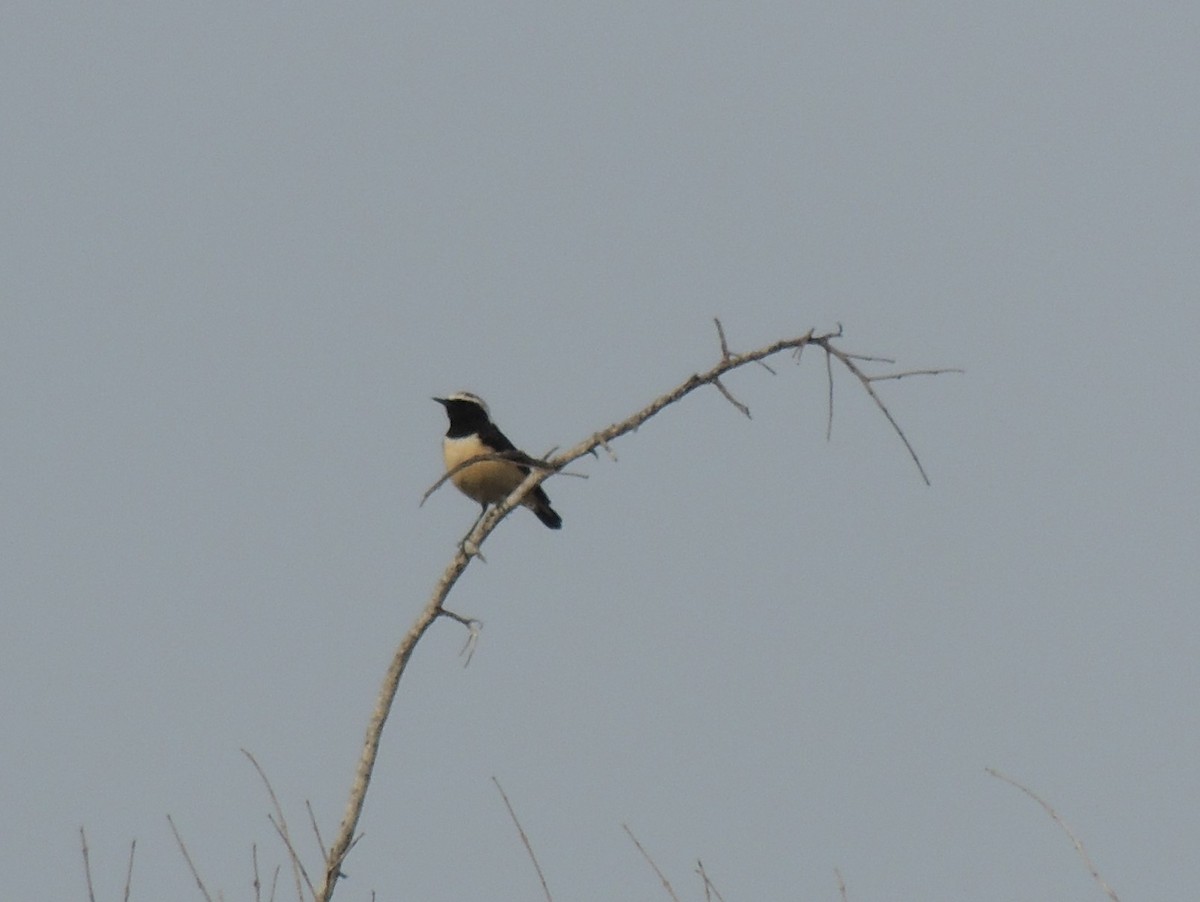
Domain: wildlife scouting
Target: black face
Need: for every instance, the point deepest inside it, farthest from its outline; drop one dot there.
(466, 417)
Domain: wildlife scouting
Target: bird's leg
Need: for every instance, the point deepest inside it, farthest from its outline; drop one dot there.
(469, 548)
(479, 519)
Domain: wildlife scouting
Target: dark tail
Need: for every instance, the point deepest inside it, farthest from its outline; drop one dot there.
(545, 513)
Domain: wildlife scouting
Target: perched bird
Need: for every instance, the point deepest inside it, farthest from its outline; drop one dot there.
(472, 433)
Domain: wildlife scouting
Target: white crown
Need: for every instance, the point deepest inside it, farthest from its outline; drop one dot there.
(470, 399)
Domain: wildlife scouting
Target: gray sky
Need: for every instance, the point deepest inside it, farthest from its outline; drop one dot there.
(242, 248)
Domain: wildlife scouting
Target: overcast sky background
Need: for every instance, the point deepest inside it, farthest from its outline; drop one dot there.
(243, 246)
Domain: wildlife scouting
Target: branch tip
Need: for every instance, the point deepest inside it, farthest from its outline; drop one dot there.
(725, 355)
(731, 399)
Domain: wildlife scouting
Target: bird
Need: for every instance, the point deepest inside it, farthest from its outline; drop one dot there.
(472, 433)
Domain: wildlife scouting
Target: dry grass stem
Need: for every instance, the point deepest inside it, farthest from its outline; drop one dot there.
(129, 870)
(661, 876)
(1057, 818)
(312, 819)
(188, 858)
(710, 889)
(87, 865)
(281, 827)
(298, 871)
(524, 839)
(257, 883)
(841, 885)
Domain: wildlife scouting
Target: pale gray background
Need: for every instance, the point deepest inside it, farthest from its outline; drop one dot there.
(244, 244)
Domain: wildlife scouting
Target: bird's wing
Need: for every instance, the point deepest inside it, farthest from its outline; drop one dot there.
(492, 437)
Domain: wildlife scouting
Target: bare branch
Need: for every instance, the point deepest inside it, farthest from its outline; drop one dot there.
(345, 838)
(869, 358)
(632, 422)
(539, 471)
(524, 839)
(1057, 818)
(665, 882)
(938, 372)
(848, 361)
(188, 858)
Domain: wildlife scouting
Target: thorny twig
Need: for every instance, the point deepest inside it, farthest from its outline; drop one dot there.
(474, 627)
(825, 342)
